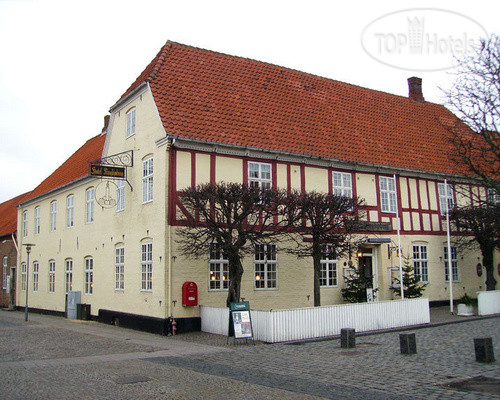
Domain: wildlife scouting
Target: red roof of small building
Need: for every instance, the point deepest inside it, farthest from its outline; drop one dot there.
(8, 215)
(74, 168)
(208, 96)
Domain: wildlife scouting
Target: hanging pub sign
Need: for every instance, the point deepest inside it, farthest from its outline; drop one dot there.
(107, 171)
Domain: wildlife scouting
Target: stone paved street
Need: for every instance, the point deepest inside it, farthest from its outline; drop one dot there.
(50, 357)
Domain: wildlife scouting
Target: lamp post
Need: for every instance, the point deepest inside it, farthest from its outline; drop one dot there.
(28, 251)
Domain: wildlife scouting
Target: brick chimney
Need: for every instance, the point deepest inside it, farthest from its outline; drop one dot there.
(106, 124)
(415, 89)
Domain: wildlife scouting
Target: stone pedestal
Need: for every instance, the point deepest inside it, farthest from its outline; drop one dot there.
(408, 343)
(347, 338)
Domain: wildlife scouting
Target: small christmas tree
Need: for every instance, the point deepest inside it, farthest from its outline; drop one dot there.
(356, 284)
(412, 285)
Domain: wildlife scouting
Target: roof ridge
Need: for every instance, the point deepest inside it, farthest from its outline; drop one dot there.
(162, 55)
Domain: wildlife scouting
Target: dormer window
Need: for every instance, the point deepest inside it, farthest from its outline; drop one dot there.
(131, 122)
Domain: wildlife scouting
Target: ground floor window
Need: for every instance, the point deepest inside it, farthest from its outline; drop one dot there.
(328, 274)
(36, 269)
(218, 269)
(89, 275)
(147, 267)
(69, 275)
(23, 276)
(454, 264)
(119, 268)
(52, 276)
(266, 266)
(420, 262)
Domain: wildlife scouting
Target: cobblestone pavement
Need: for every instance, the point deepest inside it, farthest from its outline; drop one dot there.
(50, 357)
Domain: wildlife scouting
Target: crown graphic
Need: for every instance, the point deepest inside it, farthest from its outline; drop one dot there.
(415, 34)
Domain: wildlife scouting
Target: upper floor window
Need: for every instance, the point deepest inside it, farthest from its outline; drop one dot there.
(147, 180)
(36, 268)
(69, 275)
(342, 184)
(444, 194)
(387, 194)
(131, 122)
(120, 195)
(259, 174)
(37, 220)
(5, 263)
(52, 276)
(25, 223)
(328, 274)
(147, 266)
(266, 266)
(218, 269)
(53, 216)
(454, 264)
(89, 206)
(70, 210)
(119, 268)
(89, 275)
(493, 196)
(421, 262)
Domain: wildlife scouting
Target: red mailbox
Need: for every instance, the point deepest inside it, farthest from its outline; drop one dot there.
(189, 294)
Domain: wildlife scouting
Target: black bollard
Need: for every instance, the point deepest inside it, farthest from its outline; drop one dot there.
(484, 350)
(408, 343)
(347, 338)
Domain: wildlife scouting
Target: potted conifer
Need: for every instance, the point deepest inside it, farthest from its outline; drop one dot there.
(465, 306)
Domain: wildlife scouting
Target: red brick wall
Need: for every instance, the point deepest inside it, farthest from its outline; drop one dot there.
(8, 249)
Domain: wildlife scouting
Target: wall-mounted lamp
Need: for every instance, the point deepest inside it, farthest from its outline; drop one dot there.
(359, 253)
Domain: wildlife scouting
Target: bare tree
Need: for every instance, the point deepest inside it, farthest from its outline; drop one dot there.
(323, 225)
(233, 216)
(475, 99)
(479, 224)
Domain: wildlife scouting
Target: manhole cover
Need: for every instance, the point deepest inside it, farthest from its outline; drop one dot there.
(477, 384)
(124, 380)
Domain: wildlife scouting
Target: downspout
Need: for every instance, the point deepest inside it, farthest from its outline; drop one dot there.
(168, 286)
(15, 242)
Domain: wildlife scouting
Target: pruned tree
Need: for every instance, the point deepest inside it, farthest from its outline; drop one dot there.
(322, 225)
(479, 224)
(233, 216)
(412, 285)
(475, 99)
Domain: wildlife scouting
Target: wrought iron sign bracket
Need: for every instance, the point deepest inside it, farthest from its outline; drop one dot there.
(113, 167)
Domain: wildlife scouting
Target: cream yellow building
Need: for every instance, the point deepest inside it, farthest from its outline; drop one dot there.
(195, 116)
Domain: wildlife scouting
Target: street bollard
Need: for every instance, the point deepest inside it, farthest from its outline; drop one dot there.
(347, 338)
(484, 350)
(408, 343)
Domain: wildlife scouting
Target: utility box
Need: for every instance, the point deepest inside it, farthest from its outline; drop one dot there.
(73, 299)
(83, 311)
(189, 294)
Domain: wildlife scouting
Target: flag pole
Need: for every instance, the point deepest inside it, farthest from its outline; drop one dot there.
(399, 242)
(450, 269)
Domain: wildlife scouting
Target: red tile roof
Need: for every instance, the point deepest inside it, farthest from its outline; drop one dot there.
(8, 215)
(208, 96)
(74, 168)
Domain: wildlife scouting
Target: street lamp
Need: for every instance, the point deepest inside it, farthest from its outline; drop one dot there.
(28, 251)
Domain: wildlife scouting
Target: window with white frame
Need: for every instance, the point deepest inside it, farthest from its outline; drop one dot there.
(259, 174)
(342, 184)
(387, 194)
(37, 220)
(445, 193)
(89, 205)
(70, 210)
(53, 216)
(120, 195)
(147, 266)
(493, 196)
(131, 122)
(218, 266)
(23, 276)
(454, 264)
(89, 275)
(420, 262)
(25, 223)
(266, 266)
(5, 263)
(328, 274)
(36, 270)
(68, 275)
(147, 180)
(52, 276)
(120, 268)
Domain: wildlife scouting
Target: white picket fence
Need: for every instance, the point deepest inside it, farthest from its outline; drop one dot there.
(305, 323)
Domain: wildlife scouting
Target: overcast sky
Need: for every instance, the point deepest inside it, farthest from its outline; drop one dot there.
(63, 64)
